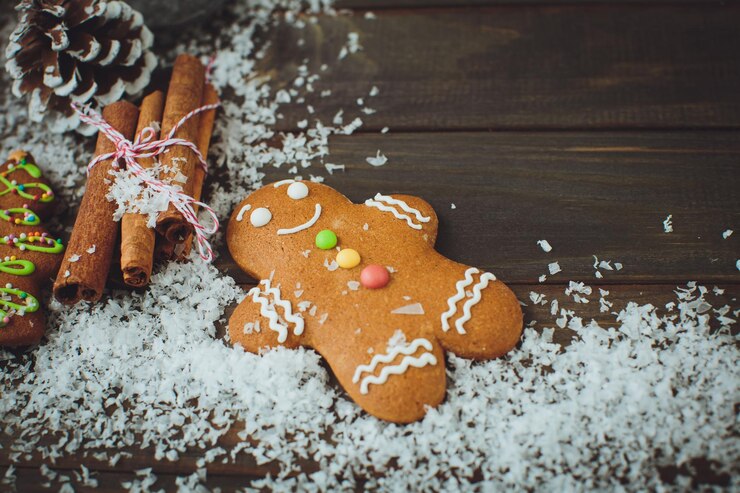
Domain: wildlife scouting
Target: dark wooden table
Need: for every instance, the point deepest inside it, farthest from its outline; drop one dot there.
(584, 123)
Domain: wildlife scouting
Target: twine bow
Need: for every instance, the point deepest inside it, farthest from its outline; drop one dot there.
(144, 146)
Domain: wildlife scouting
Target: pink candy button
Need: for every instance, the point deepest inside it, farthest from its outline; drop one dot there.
(375, 276)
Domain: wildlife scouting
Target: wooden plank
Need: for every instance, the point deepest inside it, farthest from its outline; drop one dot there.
(29, 480)
(607, 66)
(375, 5)
(529, 67)
(134, 458)
(603, 194)
(244, 466)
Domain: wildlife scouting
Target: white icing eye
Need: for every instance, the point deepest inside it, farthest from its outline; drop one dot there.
(297, 190)
(260, 217)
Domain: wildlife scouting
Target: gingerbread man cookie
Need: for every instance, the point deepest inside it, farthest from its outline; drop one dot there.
(362, 285)
(29, 257)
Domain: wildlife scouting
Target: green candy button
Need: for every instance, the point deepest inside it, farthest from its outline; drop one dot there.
(326, 239)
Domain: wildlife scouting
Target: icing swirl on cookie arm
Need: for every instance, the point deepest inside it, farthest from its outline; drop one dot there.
(485, 278)
(459, 295)
(267, 310)
(470, 302)
(270, 314)
(386, 203)
(404, 206)
(286, 306)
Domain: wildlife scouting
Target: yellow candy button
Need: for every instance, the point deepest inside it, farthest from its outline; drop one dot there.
(348, 258)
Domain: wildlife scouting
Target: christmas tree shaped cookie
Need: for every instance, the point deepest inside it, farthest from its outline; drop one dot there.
(29, 257)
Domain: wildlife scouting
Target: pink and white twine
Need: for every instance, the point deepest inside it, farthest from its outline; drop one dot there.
(143, 147)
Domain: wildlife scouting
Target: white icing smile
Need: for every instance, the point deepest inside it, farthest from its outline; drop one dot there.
(303, 226)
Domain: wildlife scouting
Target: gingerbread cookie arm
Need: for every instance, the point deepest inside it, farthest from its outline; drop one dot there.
(481, 317)
(266, 319)
(416, 213)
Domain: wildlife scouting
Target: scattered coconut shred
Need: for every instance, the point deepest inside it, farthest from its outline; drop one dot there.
(607, 411)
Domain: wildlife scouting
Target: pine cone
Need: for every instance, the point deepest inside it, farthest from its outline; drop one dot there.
(86, 51)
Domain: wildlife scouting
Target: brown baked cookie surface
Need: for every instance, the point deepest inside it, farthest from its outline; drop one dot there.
(362, 285)
(29, 256)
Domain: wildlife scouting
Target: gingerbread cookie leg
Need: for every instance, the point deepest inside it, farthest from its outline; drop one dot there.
(394, 374)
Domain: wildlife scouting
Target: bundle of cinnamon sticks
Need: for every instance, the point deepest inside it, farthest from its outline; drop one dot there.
(91, 247)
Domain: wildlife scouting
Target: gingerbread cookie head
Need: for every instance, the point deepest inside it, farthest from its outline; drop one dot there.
(29, 256)
(363, 285)
(280, 216)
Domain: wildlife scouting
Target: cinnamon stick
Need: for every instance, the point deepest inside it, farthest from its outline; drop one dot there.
(164, 249)
(89, 253)
(137, 239)
(207, 119)
(184, 95)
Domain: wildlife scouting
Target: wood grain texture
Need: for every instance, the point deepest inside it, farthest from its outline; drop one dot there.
(416, 4)
(29, 480)
(603, 194)
(538, 316)
(602, 66)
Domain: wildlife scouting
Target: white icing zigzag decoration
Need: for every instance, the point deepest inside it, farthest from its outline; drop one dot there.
(460, 294)
(472, 301)
(380, 202)
(427, 358)
(268, 311)
(485, 278)
(404, 206)
(286, 306)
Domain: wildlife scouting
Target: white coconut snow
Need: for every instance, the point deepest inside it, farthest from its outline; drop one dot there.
(658, 389)
(378, 160)
(668, 224)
